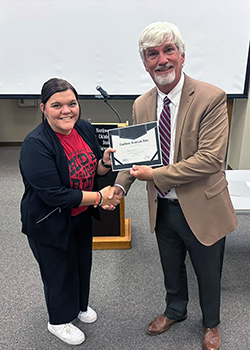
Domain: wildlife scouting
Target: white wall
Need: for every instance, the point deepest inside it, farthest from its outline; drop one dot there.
(94, 42)
(239, 141)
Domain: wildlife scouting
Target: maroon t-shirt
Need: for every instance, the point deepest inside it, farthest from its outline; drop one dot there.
(82, 164)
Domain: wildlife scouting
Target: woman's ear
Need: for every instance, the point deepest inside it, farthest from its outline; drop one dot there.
(42, 107)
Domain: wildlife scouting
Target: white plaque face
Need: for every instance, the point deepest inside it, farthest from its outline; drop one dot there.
(137, 144)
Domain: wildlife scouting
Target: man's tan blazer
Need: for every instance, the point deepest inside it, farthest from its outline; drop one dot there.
(198, 172)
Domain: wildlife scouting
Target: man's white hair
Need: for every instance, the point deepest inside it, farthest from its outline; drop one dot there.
(156, 33)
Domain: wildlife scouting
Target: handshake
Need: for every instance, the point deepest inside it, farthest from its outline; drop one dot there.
(111, 197)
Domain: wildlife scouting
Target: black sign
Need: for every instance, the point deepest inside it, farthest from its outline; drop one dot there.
(102, 134)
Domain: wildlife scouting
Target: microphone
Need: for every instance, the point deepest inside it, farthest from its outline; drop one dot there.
(105, 96)
(103, 92)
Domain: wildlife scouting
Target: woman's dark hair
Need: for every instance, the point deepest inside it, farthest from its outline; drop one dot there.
(54, 85)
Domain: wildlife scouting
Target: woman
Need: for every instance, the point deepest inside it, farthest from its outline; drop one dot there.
(59, 163)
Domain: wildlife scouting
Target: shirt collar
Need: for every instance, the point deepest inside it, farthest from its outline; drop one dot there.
(175, 94)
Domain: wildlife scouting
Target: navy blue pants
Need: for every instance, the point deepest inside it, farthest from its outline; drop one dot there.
(175, 239)
(66, 273)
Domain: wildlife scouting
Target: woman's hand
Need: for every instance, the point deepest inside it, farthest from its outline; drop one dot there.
(106, 155)
(104, 164)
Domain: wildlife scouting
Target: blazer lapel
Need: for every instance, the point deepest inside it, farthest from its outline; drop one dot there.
(185, 102)
(152, 106)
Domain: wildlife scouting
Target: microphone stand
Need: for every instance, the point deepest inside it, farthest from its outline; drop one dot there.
(118, 115)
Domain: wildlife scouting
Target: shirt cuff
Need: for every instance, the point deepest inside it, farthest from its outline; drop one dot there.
(124, 192)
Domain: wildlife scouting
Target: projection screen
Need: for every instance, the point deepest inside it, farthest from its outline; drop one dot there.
(92, 43)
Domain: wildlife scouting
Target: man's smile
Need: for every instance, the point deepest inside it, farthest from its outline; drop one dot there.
(163, 69)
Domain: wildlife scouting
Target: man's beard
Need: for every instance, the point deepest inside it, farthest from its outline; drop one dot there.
(165, 80)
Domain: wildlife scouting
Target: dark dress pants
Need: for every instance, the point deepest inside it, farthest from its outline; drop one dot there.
(174, 239)
(66, 273)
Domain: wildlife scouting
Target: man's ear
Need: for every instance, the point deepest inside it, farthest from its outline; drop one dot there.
(145, 65)
(183, 58)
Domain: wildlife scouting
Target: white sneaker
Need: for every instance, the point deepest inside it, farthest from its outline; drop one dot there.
(88, 316)
(67, 332)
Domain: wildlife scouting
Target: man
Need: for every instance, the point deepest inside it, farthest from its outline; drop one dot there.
(189, 204)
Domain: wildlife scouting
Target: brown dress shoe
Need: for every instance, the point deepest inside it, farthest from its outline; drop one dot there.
(211, 339)
(161, 324)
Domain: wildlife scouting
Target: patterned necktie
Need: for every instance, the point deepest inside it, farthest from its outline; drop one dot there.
(165, 131)
(165, 135)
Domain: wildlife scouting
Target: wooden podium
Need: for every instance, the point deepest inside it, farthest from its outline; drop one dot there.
(113, 231)
(121, 240)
